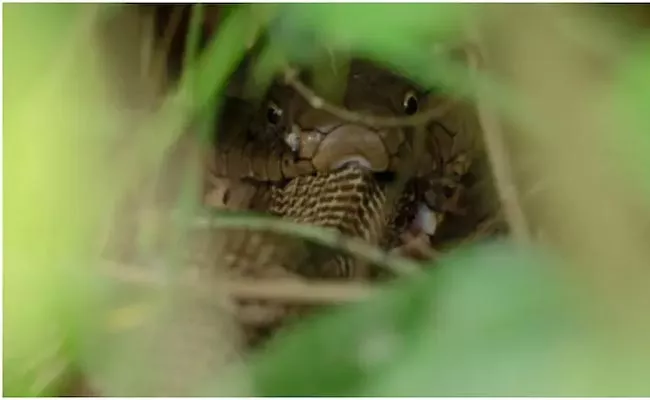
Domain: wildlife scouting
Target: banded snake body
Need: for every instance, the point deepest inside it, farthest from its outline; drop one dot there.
(303, 163)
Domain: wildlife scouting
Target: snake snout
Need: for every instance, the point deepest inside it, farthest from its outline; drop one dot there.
(342, 145)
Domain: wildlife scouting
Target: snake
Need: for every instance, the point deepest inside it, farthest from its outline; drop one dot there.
(285, 138)
(263, 146)
(285, 157)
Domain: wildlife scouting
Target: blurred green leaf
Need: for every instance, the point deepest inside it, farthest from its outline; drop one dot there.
(199, 89)
(632, 103)
(355, 26)
(53, 198)
(489, 321)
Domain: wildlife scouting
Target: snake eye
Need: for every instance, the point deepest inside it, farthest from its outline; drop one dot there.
(410, 103)
(273, 114)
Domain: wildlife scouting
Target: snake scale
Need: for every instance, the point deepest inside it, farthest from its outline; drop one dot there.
(287, 140)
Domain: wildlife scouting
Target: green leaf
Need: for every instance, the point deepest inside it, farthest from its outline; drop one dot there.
(356, 25)
(632, 104)
(489, 321)
(54, 197)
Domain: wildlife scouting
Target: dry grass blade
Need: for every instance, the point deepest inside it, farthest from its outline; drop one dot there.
(496, 147)
(287, 290)
(331, 238)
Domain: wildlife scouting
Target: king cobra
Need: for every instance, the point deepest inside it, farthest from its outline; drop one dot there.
(286, 158)
(308, 165)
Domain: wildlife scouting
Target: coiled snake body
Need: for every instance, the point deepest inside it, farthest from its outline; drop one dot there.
(302, 163)
(306, 164)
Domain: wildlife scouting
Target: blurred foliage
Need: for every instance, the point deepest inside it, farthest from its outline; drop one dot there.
(456, 331)
(491, 320)
(52, 205)
(633, 102)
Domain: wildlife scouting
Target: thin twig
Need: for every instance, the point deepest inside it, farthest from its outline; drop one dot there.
(298, 291)
(327, 237)
(291, 79)
(283, 290)
(498, 156)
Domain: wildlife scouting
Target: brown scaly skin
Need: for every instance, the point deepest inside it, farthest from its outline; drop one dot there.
(301, 140)
(286, 137)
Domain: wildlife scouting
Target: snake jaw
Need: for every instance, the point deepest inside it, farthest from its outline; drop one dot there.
(359, 161)
(351, 142)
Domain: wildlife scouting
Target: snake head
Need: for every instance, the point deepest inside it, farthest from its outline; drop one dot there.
(296, 132)
(364, 129)
(333, 143)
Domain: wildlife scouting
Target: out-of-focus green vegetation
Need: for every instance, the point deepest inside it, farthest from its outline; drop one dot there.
(568, 317)
(439, 335)
(50, 140)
